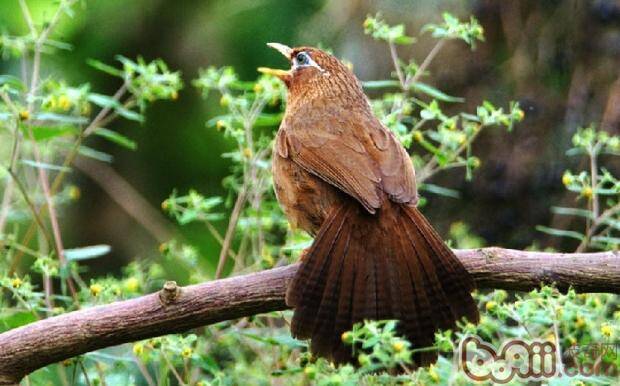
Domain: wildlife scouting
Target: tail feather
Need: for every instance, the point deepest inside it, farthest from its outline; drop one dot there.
(311, 279)
(391, 265)
(439, 306)
(453, 276)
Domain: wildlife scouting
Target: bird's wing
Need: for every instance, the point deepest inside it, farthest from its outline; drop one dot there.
(355, 153)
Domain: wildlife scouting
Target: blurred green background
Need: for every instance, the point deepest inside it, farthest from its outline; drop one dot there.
(559, 59)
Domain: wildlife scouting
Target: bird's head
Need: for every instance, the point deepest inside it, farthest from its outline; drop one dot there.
(315, 72)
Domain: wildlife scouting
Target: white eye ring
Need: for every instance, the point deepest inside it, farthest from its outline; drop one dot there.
(303, 59)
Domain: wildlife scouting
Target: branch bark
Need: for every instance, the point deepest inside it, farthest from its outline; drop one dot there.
(177, 309)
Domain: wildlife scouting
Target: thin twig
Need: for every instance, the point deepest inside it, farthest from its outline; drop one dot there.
(395, 61)
(172, 369)
(427, 61)
(594, 182)
(230, 231)
(596, 223)
(31, 206)
(143, 370)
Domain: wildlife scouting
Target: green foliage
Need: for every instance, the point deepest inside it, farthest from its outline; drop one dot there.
(452, 28)
(46, 123)
(597, 189)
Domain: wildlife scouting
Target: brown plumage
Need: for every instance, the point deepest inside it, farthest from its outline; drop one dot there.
(342, 176)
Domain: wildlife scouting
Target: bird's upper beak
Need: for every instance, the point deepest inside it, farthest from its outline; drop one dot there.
(282, 74)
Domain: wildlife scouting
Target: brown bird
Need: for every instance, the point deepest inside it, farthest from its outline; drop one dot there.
(342, 176)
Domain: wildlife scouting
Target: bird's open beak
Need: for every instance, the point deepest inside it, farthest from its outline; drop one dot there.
(284, 50)
(282, 74)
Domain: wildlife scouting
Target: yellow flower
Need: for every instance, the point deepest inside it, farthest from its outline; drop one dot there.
(475, 162)
(64, 102)
(74, 193)
(433, 373)
(132, 284)
(85, 109)
(247, 152)
(491, 305)
(346, 337)
(398, 346)
(95, 289)
(407, 109)
(187, 352)
(174, 95)
(580, 322)
(363, 360)
(138, 349)
(461, 138)
(520, 115)
(310, 372)
(224, 100)
(24, 115)
(567, 179)
(418, 136)
(220, 124)
(165, 205)
(606, 330)
(551, 337)
(16, 282)
(587, 192)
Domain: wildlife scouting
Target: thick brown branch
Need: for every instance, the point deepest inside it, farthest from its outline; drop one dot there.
(173, 310)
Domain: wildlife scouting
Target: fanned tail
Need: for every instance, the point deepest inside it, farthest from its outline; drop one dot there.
(390, 265)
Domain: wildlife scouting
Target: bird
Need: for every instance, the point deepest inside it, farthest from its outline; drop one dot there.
(342, 176)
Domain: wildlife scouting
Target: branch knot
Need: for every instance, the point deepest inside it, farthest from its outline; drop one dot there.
(169, 293)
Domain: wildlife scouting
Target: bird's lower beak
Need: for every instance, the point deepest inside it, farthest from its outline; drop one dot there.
(273, 71)
(284, 75)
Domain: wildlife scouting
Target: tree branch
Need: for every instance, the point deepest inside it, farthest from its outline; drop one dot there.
(175, 309)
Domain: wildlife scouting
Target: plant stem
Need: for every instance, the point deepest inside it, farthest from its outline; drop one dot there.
(230, 231)
(399, 71)
(594, 182)
(595, 225)
(427, 61)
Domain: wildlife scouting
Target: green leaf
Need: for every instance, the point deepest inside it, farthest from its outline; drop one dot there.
(374, 84)
(435, 93)
(62, 118)
(42, 133)
(103, 100)
(572, 212)
(268, 120)
(11, 320)
(117, 138)
(129, 114)
(86, 253)
(560, 232)
(607, 239)
(12, 81)
(95, 154)
(46, 166)
(440, 190)
(111, 103)
(404, 40)
(277, 340)
(104, 67)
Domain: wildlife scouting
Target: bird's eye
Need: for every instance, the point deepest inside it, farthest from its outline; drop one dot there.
(302, 58)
